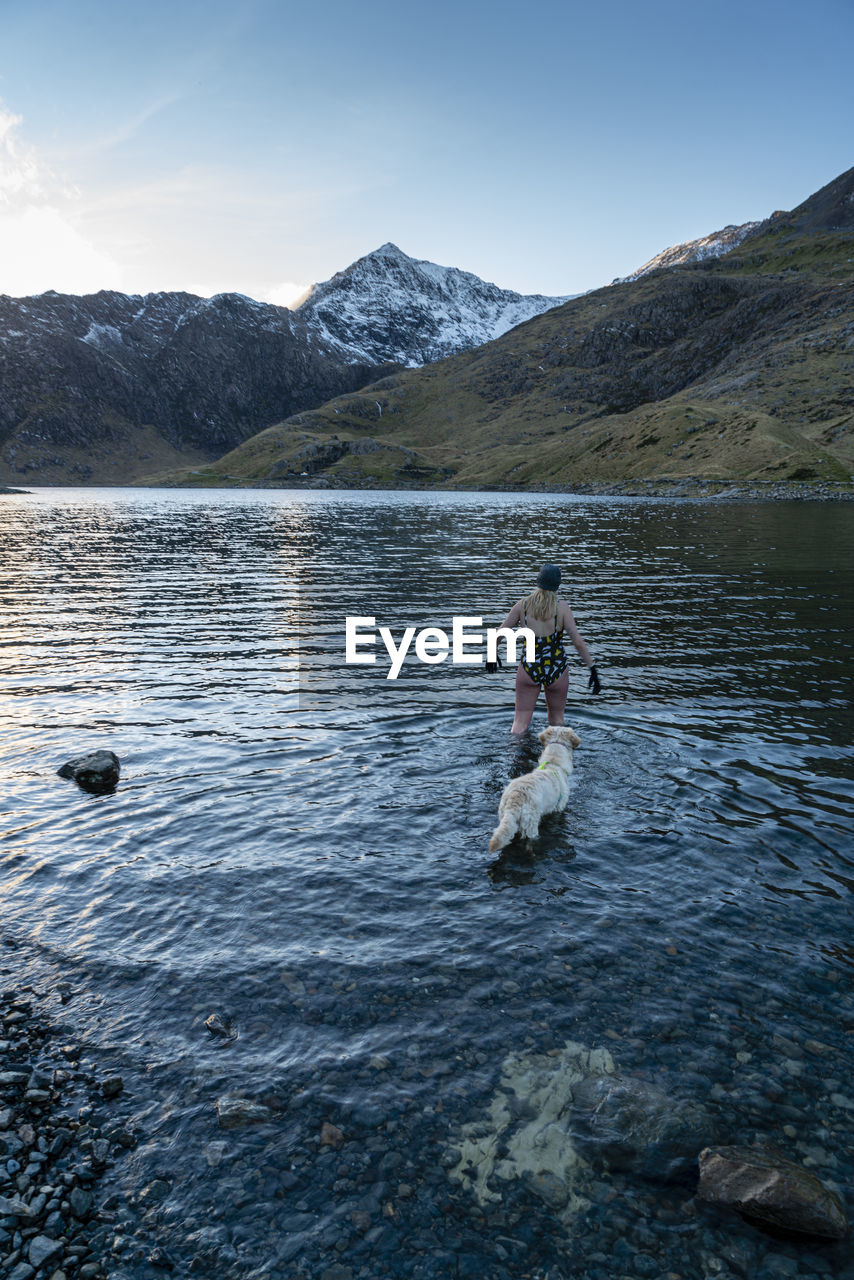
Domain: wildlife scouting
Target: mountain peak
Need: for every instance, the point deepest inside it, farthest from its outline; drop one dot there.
(388, 250)
(389, 308)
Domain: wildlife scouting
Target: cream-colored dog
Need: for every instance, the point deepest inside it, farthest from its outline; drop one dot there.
(545, 790)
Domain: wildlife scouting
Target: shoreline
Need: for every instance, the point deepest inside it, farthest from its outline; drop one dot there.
(696, 489)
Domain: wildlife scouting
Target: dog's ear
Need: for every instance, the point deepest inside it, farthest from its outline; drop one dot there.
(546, 735)
(574, 738)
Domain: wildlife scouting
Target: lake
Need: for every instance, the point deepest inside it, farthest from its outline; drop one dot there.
(300, 846)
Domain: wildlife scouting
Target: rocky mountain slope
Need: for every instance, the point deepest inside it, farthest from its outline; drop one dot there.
(733, 367)
(109, 387)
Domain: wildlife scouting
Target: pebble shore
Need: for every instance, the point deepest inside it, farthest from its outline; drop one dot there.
(294, 1186)
(60, 1129)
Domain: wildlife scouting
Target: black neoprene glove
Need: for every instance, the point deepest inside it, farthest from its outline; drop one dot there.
(594, 682)
(492, 667)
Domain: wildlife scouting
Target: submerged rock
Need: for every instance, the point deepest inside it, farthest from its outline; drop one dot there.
(527, 1133)
(112, 1086)
(221, 1028)
(331, 1135)
(235, 1113)
(629, 1124)
(769, 1189)
(98, 772)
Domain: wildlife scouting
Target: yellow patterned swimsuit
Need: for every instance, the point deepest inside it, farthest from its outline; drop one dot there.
(550, 657)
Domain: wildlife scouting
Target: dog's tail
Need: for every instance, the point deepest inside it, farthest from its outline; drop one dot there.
(504, 832)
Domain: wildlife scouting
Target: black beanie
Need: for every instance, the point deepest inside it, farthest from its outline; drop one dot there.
(549, 577)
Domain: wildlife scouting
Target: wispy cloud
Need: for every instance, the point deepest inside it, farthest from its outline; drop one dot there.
(41, 247)
(121, 131)
(20, 171)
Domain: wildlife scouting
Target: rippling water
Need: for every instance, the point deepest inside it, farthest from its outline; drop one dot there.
(315, 865)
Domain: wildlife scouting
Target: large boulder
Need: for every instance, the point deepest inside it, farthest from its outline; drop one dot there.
(769, 1189)
(97, 772)
(625, 1123)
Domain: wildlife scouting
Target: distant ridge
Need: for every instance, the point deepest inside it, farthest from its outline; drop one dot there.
(829, 209)
(711, 246)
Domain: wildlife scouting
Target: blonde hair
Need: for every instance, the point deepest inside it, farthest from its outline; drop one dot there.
(541, 604)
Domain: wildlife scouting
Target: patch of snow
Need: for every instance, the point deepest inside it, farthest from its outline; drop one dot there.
(714, 245)
(101, 335)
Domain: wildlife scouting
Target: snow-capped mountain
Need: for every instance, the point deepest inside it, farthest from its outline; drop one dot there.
(711, 246)
(390, 307)
(111, 386)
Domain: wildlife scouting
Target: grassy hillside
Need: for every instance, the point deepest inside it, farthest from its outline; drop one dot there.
(735, 369)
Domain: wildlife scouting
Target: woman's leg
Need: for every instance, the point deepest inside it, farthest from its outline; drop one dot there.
(526, 699)
(556, 698)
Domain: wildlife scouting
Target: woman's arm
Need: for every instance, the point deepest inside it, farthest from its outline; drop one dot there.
(574, 634)
(514, 617)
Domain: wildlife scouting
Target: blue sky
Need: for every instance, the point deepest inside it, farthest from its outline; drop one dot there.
(546, 146)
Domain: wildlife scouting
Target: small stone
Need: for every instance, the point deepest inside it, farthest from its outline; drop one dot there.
(42, 1248)
(155, 1191)
(551, 1189)
(234, 1113)
(337, 1272)
(100, 1151)
(214, 1152)
(331, 1135)
(22, 1271)
(112, 1086)
(80, 1202)
(14, 1207)
(61, 1139)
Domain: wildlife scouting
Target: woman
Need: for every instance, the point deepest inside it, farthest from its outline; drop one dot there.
(548, 618)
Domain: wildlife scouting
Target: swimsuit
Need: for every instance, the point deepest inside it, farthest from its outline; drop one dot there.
(550, 657)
